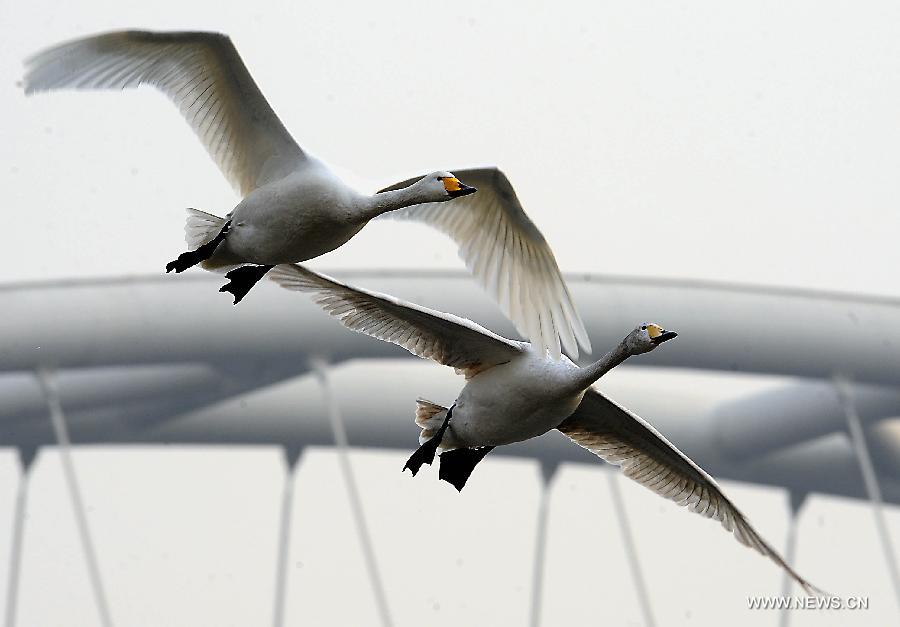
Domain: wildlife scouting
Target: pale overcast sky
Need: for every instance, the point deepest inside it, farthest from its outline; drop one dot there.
(755, 142)
(752, 142)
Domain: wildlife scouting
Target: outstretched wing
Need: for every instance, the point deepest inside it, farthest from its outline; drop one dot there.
(445, 338)
(202, 74)
(620, 437)
(509, 257)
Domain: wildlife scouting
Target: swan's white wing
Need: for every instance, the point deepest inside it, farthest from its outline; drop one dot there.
(508, 256)
(202, 73)
(624, 439)
(445, 338)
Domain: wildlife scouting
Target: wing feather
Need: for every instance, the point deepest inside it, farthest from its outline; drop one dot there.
(622, 438)
(202, 73)
(508, 256)
(430, 334)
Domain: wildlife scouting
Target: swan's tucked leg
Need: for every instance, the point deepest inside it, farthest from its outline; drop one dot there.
(193, 257)
(241, 280)
(426, 452)
(457, 465)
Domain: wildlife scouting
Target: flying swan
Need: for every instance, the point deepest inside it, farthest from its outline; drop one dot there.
(513, 393)
(293, 207)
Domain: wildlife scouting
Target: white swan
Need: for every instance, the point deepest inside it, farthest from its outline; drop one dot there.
(294, 208)
(513, 393)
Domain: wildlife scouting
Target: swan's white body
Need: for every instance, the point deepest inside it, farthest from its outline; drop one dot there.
(311, 210)
(515, 401)
(513, 393)
(293, 207)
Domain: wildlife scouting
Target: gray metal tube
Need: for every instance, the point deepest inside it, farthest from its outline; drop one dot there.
(171, 319)
(758, 424)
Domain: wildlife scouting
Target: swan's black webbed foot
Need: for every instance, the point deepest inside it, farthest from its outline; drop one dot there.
(193, 257)
(241, 280)
(457, 465)
(426, 452)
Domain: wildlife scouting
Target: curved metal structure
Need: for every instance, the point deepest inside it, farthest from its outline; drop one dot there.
(182, 319)
(143, 360)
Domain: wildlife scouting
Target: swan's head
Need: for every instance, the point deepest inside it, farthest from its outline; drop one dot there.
(647, 337)
(435, 187)
(444, 186)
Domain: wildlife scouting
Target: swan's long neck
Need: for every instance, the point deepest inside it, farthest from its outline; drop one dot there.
(377, 204)
(586, 376)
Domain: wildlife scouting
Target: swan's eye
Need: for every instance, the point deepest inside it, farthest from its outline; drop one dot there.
(644, 328)
(451, 184)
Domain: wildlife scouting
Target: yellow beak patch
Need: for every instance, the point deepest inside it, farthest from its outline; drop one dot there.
(451, 184)
(654, 331)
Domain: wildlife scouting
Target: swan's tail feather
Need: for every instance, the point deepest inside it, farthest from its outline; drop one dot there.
(199, 228)
(430, 416)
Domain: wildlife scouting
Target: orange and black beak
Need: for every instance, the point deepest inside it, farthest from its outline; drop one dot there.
(658, 335)
(665, 336)
(456, 188)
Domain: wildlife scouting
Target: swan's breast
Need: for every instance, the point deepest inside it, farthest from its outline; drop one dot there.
(298, 218)
(514, 402)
